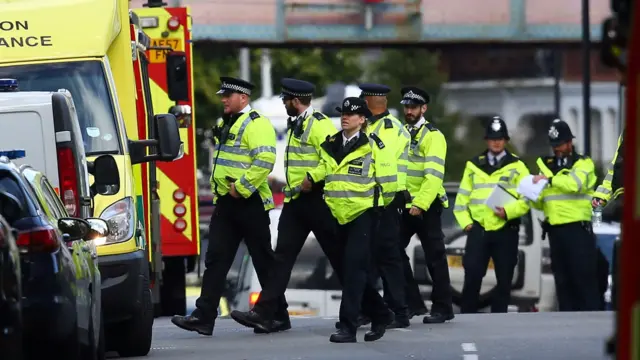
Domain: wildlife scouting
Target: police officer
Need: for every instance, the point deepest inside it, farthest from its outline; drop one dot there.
(606, 191)
(491, 233)
(304, 210)
(566, 202)
(245, 155)
(353, 192)
(385, 129)
(425, 175)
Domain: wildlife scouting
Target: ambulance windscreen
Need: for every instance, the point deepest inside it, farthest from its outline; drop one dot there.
(86, 82)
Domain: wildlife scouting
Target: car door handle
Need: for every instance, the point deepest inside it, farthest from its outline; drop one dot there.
(336, 297)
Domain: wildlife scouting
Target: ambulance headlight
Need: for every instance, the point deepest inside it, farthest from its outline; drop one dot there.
(120, 216)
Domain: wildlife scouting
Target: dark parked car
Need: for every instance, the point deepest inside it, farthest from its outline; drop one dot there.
(10, 284)
(60, 309)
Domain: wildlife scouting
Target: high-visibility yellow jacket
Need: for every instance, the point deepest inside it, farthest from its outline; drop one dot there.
(353, 182)
(567, 197)
(425, 169)
(477, 184)
(604, 191)
(395, 138)
(246, 155)
(302, 154)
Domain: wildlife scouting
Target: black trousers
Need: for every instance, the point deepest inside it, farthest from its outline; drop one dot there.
(428, 227)
(388, 260)
(308, 213)
(232, 221)
(574, 261)
(501, 246)
(357, 237)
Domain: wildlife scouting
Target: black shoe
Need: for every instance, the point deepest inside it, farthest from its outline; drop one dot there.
(362, 321)
(398, 324)
(418, 312)
(252, 319)
(437, 318)
(342, 336)
(276, 326)
(192, 323)
(377, 331)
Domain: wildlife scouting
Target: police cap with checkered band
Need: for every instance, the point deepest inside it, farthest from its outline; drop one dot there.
(232, 85)
(354, 105)
(412, 95)
(559, 133)
(296, 88)
(374, 90)
(497, 129)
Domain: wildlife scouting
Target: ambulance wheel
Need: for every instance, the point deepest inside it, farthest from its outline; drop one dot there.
(136, 333)
(173, 292)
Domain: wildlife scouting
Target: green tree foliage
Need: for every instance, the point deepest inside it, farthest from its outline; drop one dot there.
(319, 66)
(419, 67)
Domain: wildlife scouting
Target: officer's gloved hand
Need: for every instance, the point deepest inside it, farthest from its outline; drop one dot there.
(401, 199)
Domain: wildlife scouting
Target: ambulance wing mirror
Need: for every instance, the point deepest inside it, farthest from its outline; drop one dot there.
(177, 76)
(105, 174)
(165, 147)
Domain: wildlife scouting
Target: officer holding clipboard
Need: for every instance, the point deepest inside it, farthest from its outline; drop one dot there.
(488, 208)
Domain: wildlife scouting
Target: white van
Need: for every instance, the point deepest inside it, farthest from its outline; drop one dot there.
(527, 278)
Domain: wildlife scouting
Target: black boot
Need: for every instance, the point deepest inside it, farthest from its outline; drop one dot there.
(377, 331)
(193, 323)
(343, 336)
(252, 319)
(276, 326)
(362, 321)
(437, 318)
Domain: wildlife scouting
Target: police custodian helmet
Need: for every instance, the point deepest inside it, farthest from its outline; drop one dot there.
(497, 129)
(559, 133)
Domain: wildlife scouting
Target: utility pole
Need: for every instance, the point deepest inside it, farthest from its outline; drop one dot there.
(586, 77)
(557, 75)
(245, 63)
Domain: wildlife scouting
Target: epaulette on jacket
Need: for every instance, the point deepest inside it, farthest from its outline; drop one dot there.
(377, 140)
(319, 115)
(254, 115)
(388, 124)
(430, 126)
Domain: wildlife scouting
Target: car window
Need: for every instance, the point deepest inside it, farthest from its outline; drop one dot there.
(55, 204)
(10, 185)
(33, 179)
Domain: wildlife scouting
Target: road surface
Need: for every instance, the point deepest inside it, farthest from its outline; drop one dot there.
(517, 336)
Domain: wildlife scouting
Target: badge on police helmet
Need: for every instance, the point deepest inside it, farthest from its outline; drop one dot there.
(346, 103)
(553, 132)
(496, 126)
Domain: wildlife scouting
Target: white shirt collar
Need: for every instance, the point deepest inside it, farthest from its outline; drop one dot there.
(246, 109)
(345, 139)
(494, 158)
(306, 113)
(420, 122)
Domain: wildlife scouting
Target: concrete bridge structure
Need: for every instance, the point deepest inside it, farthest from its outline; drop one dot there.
(375, 22)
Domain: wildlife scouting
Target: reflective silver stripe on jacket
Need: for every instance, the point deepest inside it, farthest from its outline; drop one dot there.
(566, 197)
(349, 193)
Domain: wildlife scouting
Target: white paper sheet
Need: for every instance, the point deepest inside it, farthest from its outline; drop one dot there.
(530, 190)
(499, 198)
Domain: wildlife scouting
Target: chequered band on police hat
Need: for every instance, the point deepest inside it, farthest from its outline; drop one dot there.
(295, 94)
(366, 93)
(234, 87)
(413, 96)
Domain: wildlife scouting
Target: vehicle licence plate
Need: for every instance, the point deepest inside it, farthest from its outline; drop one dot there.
(159, 56)
(455, 261)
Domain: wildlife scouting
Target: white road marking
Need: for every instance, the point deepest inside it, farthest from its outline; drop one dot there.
(469, 347)
(401, 329)
(470, 357)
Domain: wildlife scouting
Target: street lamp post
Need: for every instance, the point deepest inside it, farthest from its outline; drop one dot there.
(586, 76)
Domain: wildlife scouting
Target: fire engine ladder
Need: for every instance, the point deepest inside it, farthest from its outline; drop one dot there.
(406, 15)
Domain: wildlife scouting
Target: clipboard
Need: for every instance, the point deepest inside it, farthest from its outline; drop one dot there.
(500, 197)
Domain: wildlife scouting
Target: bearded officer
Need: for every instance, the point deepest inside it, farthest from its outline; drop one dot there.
(304, 210)
(245, 155)
(425, 175)
(566, 202)
(491, 233)
(389, 132)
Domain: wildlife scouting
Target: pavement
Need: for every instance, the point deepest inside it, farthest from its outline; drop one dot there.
(517, 336)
